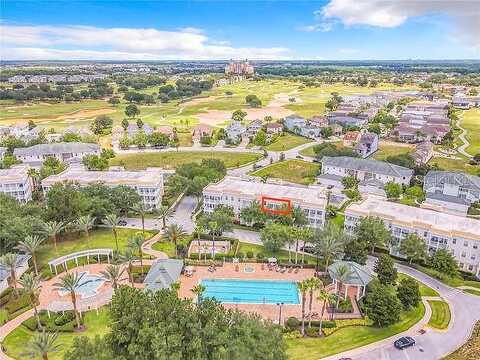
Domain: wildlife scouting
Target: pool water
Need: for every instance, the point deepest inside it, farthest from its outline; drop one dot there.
(251, 291)
(89, 284)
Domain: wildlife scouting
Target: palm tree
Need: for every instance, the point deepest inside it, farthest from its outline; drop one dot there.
(329, 242)
(30, 245)
(213, 226)
(141, 210)
(290, 239)
(199, 229)
(129, 257)
(313, 285)
(31, 286)
(42, 344)
(52, 229)
(164, 213)
(303, 287)
(112, 220)
(198, 290)
(175, 286)
(136, 243)
(326, 298)
(70, 282)
(340, 274)
(10, 262)
(85, 223)
(112, 274)
(34, 174)
(174, 233)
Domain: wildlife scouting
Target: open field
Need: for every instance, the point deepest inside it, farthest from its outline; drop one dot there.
(386, 150)
(296, 171)
(17, 341)
(440, 314)
(287, 142)
(455, 165)
(350, 337)
(471, 123)
(171, 159)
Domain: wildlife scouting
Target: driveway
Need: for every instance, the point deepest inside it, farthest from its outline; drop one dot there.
(434, 344)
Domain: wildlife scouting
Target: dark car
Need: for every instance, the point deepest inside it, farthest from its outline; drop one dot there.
(308, 249)
(256, 166)
(404, 342)
(299, 157)
(122, 222)
(316, 161)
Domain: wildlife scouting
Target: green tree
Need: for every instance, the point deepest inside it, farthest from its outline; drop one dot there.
(174, 234)
(303, 288)
(408, 293)
(414, 248)
(52, 229)
(372, 231)
(114, 100)
(444, 262)
(314, 284)
(382, 306)
(139, 123)
(140, 209)
(260, 138)
(69, 283)
(132, 110)
(164, 213)
(198, 290)
(125, 124)
(341, 274)
(393, 190)
(252, 214)
(113, 274)
(238, 115)
(140, 138)
(356, 250)
(94, 162)
(112, 221)
(349, 182)
(30, 245)
(85, 223)
(51, 166)
(31, 286)
(101, 124)
(135, 242)
(128, 257)
(329, 242)
(385, 269)
(42, 344)
(124, 142)
(65, 203)
(326, 298)
(273, 236)
(10, 262)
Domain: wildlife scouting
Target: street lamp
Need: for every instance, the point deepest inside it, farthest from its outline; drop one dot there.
(280, 313)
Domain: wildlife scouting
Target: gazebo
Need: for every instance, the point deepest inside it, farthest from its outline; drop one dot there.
(354, 280)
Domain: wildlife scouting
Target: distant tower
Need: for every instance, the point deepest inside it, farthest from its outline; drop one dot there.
(239, 68)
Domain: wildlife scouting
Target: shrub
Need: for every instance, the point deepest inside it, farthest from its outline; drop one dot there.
(65, 318)
(383, 306)
(312, 331)
(240, 255)
(30, 323)
(14, 305)
(249, 254)
(327, 324)
(408, 293)
(260, 256)
(292, 323)
(345, 306)
(194, 256)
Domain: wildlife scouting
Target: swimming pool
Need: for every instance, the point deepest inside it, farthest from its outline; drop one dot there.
(251, 291)
(89, 285)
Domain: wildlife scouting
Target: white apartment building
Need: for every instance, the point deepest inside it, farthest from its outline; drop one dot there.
(239, 193)
(16, 182)
(149, 184)
(460, 235)
(67, 152)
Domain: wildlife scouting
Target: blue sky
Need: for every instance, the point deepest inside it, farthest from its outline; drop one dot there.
(329, 29)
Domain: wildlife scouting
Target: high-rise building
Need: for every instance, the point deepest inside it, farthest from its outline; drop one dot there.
(243, 68)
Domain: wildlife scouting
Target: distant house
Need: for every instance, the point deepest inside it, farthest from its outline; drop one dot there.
(274, 128)
(201, 130)
(351, 138)
(319, 121)
(423, 152)
(293, 123)
(367, 144)
(235, 131)
(254, 127)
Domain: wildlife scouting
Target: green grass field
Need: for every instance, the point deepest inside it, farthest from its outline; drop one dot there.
(424, 289)
(385, 151)
(287, 142)
(469, 350)
(17, 341)
(455, 165)
(350, 337)
(440, 314)
(172, 159)
(296, 171)
(471, 123)
(472, 291)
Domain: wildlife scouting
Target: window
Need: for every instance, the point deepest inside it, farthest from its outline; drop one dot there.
(470, 267)
(475, 246)
(465, 243)
(464, 254)
(473, 257)
(454, 241)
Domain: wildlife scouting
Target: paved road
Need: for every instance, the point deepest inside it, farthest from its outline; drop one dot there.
(434, 344)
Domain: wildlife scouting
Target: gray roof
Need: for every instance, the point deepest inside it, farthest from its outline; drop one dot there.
(57, 148)
(374, 166)
(5, 273)
(163, 273)
(435, 177)
(358, 274)
(447, 198)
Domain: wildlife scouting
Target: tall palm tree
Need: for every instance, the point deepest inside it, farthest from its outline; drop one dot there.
(164, 213)
(34, 174)
(326, 298)
(42, 344)
(70, 282)
(52, 229)
(10, 262)
(303, 287)
(136, 243)
(129, 257)
(174, 233)
(213, 226)
(290, 235)
(341, 273)
(85, 223)
(30, 245)
(31, 286)
(313, 285)
(141, 210)
(112, 220)
(198, 290)
(199, 229)
(112, 274)
(329, 242)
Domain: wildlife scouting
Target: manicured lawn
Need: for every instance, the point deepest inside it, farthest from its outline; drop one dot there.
(281, 255)
(455, 165)
(440, 314)
(469, 350)
(171, 159)
(16, 342)
(287, 142)
(471, 123)
(167, 247)
(296, 171)
(472, 291)
(350, 337)
(453, 282)
(424, 289)
(100, 238)
(385, 151)
(3, 316)
(309, 150)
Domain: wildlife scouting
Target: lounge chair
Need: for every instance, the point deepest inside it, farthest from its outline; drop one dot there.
(296, 270)
(290, 269)
(283, 270)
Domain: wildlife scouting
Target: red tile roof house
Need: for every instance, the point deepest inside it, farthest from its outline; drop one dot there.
(201, 130)
(274, 128)
(350, 138)
(166, 130)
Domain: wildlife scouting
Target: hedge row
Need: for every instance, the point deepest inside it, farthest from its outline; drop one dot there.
(61, 322)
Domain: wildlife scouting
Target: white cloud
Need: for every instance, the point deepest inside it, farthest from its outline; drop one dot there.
(465, 14)
(86, 42)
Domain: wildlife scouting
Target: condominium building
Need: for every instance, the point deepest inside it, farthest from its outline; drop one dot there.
(149, 184)
(74, 151)
(458, 234)
(240, 193)
(16, 182)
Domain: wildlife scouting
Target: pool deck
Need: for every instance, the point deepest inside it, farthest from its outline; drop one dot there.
(268, 311)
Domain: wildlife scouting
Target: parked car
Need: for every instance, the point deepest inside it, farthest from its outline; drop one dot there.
(404, 342)
(316, 161)
(122, 222)
(299, 157)
(308, 249)
(256, 166)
